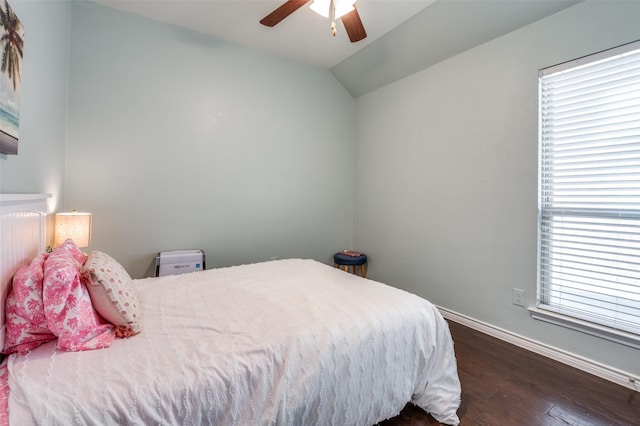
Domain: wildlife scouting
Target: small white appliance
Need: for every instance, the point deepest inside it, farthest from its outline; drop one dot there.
(179, 262)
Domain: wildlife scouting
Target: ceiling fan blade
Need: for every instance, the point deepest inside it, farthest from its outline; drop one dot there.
(353, 24)
(286, 9)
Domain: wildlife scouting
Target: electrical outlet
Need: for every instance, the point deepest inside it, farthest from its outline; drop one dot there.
(518, 296)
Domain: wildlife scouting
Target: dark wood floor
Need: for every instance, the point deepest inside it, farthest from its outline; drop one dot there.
(503, 384)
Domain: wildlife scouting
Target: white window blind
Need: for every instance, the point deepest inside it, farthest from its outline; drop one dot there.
(589, 189)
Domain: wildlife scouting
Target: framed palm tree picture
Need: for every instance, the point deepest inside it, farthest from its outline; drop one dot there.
(11, 44)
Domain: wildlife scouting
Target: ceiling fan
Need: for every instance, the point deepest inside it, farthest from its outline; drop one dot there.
(333, 9)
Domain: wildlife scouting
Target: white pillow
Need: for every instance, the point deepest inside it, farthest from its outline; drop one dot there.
(112, 293)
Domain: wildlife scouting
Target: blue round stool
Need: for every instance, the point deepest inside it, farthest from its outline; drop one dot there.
(341, 259)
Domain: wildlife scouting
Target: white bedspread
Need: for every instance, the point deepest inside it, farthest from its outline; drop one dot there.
(289, 342)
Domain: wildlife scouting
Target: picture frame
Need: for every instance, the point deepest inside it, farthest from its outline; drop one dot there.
(11, 48)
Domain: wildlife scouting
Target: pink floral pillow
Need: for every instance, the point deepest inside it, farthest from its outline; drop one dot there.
(67, 305)
(26, 325)
(112, 292)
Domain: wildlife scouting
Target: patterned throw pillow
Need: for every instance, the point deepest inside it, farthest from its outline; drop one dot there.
(67, 305)
(112, 293)
(26, 325)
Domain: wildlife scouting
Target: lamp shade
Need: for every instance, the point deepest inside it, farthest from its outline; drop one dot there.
(323, 7)
(74, 225)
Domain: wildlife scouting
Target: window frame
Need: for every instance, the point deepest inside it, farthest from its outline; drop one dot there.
(544, 310)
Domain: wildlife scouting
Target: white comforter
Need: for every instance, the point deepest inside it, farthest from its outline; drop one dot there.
(290, 342)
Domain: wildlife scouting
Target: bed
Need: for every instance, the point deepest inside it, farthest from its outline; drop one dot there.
(284, 342)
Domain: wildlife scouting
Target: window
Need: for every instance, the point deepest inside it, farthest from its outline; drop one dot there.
(589, 194)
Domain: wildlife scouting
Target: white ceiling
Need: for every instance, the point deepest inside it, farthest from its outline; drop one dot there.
(404, 36)
(304, 35)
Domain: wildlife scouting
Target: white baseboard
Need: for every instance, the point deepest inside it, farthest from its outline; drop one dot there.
(590, 366)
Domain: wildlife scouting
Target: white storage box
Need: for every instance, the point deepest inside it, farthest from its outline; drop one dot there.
(179, 262)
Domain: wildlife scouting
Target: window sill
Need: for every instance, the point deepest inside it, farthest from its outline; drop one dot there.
(607, 333)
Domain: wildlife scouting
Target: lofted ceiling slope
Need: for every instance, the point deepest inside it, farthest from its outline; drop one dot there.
(403, 36)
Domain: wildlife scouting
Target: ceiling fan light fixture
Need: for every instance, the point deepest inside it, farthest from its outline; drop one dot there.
(323, 7)
(345, 10)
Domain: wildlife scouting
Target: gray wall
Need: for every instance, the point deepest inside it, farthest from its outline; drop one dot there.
(446, 174)
(178, 140)
(39, 165)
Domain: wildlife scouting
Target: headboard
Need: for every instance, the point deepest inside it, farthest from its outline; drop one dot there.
(22, 235)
